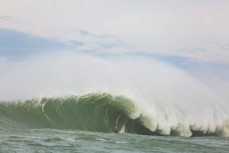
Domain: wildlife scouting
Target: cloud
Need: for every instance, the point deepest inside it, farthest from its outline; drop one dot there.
(225, 47)
(4, 18)
(191, 50)
(99, 43)
(83, 32)
(87, 33)
(3, 60)
(152, 26)
(165, 28)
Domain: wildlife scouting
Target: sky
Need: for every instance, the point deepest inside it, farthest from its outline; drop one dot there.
(191, 34)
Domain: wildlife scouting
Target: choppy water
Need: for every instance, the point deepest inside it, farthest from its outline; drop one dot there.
(51, 140)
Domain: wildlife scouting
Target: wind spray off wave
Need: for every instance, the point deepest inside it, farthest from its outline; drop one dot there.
(156, 98)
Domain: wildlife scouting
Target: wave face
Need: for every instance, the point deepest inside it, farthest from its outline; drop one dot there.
(100, 112)
(95, 112)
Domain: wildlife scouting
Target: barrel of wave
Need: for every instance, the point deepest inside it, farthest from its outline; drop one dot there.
(100, 112)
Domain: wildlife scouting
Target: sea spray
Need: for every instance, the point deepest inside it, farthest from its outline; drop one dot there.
(168, 100)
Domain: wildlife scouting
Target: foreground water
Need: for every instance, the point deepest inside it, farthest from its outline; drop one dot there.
(51, 140)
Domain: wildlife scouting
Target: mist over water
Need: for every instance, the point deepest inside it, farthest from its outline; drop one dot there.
(172, 101)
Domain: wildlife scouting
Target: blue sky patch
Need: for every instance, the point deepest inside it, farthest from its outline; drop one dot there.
(15, 43)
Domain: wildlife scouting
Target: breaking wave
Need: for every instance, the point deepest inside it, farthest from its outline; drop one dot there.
(100, 112)
(157, 98)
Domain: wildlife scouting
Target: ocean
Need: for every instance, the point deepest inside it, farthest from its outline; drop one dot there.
(74, 141)
(82, 103)
(96, 122)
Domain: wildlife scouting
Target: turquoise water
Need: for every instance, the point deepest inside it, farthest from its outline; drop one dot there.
(54, 141)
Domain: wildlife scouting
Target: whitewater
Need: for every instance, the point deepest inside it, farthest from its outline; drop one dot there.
(95, 97)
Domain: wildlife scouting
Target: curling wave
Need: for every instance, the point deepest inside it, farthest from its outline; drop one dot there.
(100, 112)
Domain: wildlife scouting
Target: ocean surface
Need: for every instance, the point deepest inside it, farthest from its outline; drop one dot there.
(58, 141)
(98, 122)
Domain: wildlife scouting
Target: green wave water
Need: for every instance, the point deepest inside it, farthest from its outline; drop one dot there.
(98, 112)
